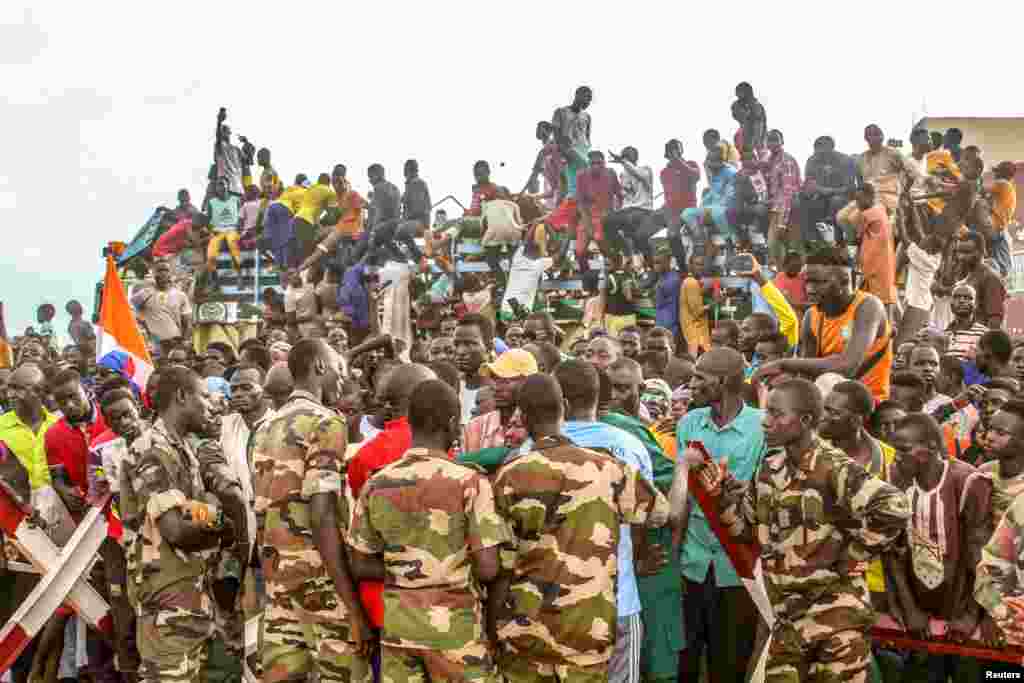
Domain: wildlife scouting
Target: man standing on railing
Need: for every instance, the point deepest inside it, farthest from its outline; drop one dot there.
(572, 133)
(415, 209)
(227, 158)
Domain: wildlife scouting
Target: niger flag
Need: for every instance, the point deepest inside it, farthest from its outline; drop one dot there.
(119, 332)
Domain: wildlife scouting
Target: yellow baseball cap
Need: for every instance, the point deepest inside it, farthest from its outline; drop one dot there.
(512, 363)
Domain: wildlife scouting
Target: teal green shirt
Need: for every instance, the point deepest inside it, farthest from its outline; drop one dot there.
(742, 442)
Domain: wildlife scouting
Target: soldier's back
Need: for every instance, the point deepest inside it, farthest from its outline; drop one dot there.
(565, 505)
(427, 515)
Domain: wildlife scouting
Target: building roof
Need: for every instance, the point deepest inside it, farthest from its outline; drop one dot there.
(1008, 118)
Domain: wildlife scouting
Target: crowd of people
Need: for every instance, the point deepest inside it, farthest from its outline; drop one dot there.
(430, 477)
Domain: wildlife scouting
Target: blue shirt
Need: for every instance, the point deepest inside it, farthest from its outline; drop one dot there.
(721, 190)
(666, 301)
(742, 442)
(629, 450)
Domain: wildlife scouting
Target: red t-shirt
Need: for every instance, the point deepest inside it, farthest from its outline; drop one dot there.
(174, 240)
(67, 446)
(679, 181)
(598, 188)
(383, 449)
(794, 288)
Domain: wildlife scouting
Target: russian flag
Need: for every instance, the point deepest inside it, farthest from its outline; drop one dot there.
(118, 332)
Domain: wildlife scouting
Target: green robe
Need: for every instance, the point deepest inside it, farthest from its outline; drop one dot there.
(661, 595)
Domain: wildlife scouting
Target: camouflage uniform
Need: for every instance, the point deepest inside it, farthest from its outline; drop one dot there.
(1001, 571)
(565, 506)
(167, 586)
(305, 626)
(813, 520)
(426, 515)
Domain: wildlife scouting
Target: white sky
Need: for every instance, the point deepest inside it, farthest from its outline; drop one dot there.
(108, 109)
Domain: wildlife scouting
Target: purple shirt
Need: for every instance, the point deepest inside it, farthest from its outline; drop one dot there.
(353, 298)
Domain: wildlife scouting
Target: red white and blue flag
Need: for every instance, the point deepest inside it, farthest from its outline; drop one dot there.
(119, 341)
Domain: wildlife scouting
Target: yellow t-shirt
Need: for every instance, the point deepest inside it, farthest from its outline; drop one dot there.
(292, 198)
(1004, 204)
(876, 574)
(316, 199)
(937, 161)
(28, 447)
(269, 177)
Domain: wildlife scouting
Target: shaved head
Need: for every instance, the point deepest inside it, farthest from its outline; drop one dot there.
(627, 365)
(279, 384)
(404, 378)
(721, 361)
(279, 374)
(28, 374)
(394, 392)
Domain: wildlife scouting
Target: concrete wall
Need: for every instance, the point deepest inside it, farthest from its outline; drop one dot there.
(1000, 139)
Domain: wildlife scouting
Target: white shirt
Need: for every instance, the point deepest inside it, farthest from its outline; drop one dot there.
(920, 276)
(367, 430)
(634, 194)
(468, 398)
(504, 223)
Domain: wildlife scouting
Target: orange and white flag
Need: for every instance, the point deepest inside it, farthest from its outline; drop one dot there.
(118, 331)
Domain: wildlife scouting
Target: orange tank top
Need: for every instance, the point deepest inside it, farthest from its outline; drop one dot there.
(834, 333)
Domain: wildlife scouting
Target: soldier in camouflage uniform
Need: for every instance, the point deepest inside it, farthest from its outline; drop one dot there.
(428, 526)
(819, 518)
(176, 533)
(553, 609)
(999, 585)
(999, 581)
(313, 622)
